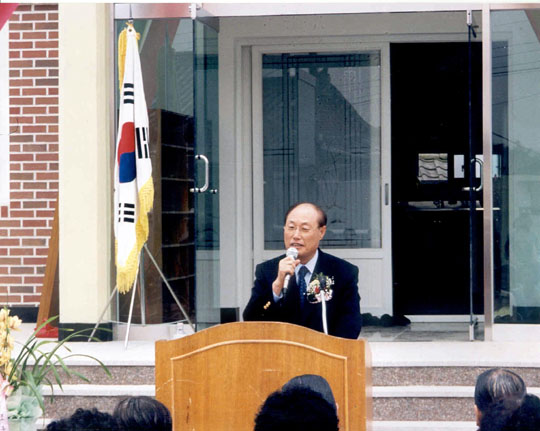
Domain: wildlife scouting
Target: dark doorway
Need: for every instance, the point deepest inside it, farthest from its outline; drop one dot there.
(430, 153)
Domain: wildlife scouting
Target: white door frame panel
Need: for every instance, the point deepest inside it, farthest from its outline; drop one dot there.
(375, 281)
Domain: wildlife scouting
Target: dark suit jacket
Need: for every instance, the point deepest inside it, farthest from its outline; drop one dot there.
(342, 311)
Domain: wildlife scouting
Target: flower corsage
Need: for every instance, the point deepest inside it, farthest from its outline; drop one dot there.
(320, 285)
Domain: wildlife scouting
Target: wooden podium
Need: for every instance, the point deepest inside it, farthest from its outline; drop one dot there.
(218, 378)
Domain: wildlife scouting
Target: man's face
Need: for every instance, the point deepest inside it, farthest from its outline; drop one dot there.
(302, 231)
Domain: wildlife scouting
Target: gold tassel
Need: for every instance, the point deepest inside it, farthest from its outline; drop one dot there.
(125, 276)
(122, 47)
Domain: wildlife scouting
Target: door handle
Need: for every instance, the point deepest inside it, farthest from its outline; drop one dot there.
(206, 174)
(479, 188)
(204, 188)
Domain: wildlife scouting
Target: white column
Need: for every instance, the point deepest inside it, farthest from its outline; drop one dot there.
(85, 148)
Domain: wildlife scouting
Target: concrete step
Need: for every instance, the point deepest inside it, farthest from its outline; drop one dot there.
(416, 385)
(423, 425)
(390, 403)
(400, 394)
(443, 375)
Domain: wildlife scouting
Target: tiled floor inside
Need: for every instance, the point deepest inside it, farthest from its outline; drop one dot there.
(452, 331)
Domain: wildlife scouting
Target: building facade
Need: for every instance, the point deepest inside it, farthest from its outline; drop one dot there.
(29, 160)
(414, 127)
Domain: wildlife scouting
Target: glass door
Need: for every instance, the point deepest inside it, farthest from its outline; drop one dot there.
(436, 177)
(515, 74)
(205, 93)
(179, 67)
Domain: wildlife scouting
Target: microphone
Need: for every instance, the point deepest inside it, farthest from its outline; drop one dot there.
(292, 252)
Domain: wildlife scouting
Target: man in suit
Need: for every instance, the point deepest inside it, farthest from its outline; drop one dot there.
(305, 226)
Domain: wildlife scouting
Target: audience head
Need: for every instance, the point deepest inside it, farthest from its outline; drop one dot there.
(295, 409)
(498, 390)
(525, 418)
(142, 414)
(85, 420)
(314, 382)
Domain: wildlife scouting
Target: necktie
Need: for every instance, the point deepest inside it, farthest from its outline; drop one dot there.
(302, 284)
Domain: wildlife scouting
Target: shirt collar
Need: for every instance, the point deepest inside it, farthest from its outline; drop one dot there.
(310, 265)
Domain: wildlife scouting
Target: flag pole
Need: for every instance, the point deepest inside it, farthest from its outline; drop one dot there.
(103, 313)
(142, 289)
(169, 287)
(134, 288)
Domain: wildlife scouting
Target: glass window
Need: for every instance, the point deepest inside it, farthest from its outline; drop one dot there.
(322, 143)
(516, 174)
(166, 51)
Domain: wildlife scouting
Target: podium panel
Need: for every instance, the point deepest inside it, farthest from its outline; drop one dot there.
(218, 378)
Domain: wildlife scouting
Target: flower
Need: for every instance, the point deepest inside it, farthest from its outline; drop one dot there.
(321, 284)
(24, 375)
(14, 322)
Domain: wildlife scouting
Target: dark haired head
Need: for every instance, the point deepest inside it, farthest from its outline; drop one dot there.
(314, 382)
(85, 420)
(498, 384)
(527, 417)
(296, 409)
(501, 417)
(322, 215)
(142, 414)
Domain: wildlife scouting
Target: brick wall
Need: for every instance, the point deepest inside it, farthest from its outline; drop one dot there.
(33, 90)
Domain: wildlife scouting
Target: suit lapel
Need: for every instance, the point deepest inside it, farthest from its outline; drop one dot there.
(319, 265)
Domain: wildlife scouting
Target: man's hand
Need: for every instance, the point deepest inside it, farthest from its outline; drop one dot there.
(286, 266)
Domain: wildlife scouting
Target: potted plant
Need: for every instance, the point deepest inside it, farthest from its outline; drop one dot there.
(22, 377)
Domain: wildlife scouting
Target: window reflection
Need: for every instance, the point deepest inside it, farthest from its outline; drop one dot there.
(321, 132)
(516, 191)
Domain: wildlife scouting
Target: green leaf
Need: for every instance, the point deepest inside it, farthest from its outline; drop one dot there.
(32, 366)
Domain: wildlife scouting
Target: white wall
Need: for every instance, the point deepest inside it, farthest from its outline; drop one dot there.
(85, 155)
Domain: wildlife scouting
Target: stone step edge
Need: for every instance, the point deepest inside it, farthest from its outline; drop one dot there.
(423, 425)
(84, 390)
(376, 425)
(430, 391)
(89, 390)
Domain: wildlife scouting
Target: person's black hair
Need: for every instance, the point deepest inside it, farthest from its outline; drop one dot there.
(315, 382)
(296, 409)
(499, 417)
(496, 385)
(85, 420)
(527, 417)
(142, 414)
(322, 215)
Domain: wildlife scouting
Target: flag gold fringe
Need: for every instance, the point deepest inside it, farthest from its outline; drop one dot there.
(125, 275)
(122, 47)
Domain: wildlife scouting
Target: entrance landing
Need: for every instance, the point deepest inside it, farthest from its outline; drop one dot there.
(454, 331)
